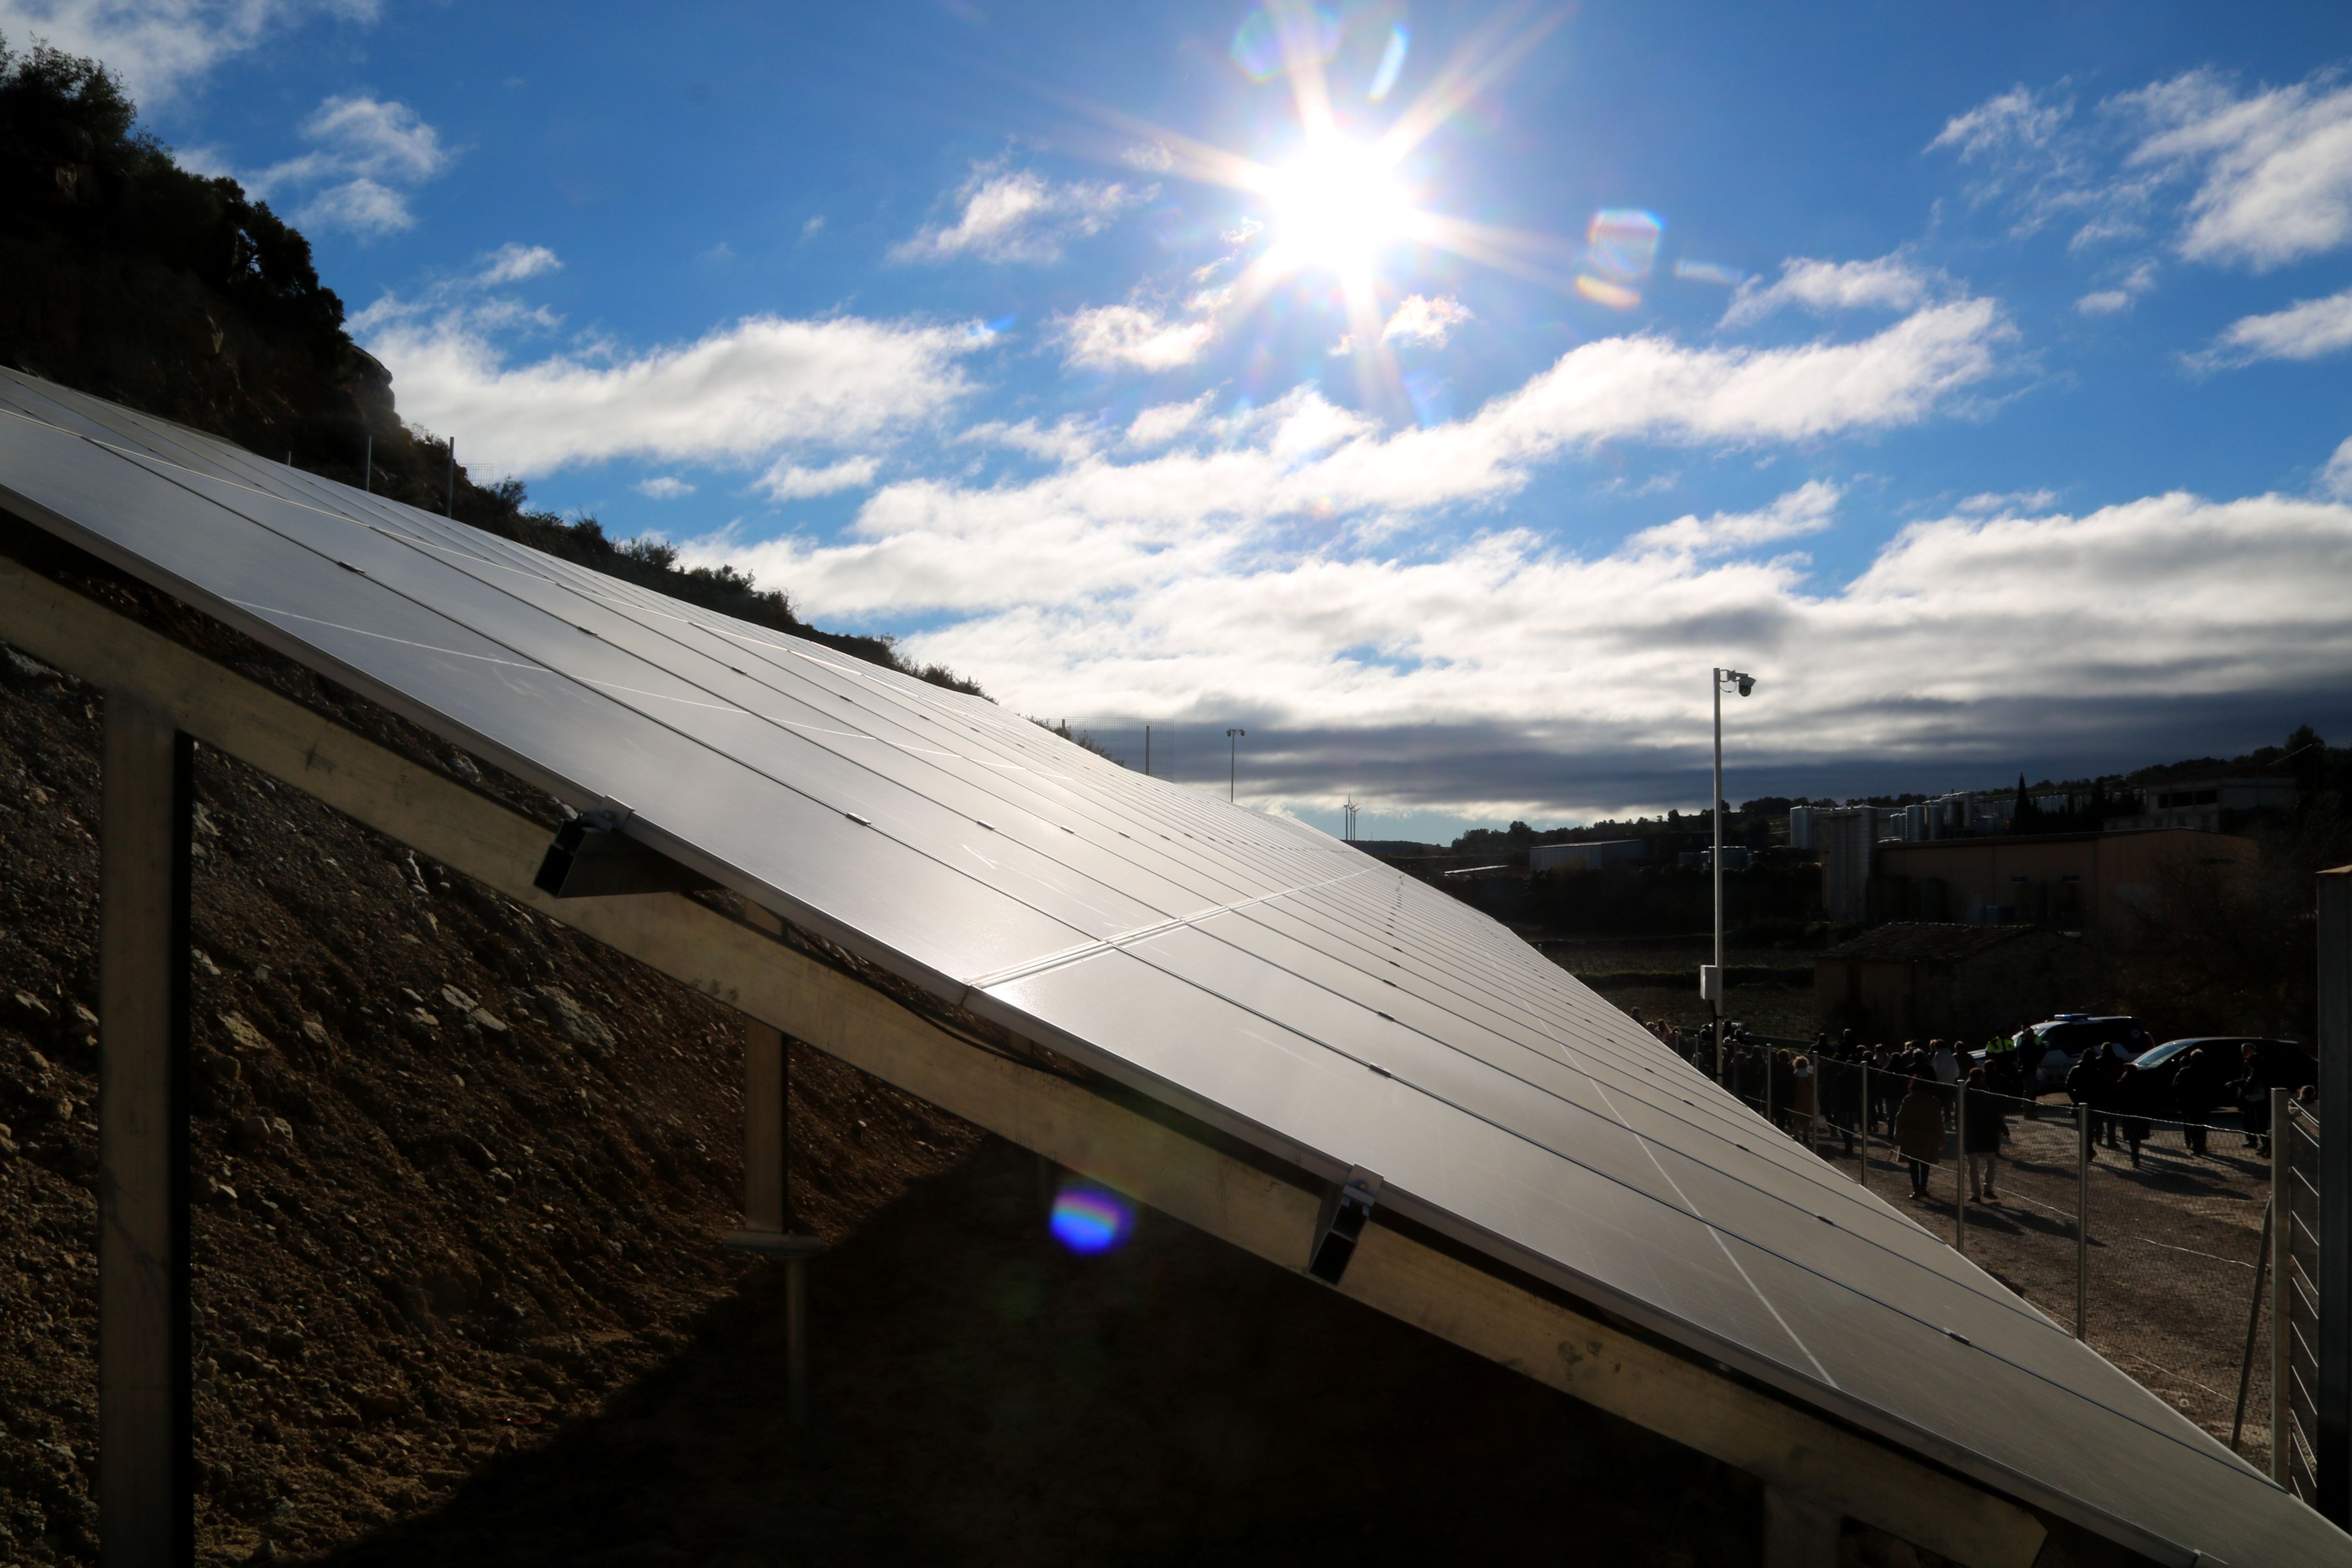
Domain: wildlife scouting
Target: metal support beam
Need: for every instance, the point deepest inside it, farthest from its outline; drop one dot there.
(1132, 1149)
(2282, 1260)
(767, 1181)
(2332, 1423)
(145, 1421)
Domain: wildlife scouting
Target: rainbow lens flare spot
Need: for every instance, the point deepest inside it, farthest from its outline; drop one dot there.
(1287, 35)
(1090, 1219)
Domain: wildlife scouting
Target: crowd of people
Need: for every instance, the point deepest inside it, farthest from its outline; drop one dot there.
(1912, 1094)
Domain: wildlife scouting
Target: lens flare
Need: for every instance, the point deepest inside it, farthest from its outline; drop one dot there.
(1090, 1219)
(1709, 272)
(1600, 292)
(1285, 36)
(1624, 243)
(1391, 62)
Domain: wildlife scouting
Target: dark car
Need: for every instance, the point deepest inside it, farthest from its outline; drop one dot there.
(2150, 1087)
(2066, 1038)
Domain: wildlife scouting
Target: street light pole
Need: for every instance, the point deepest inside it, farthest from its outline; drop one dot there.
(1233, 761)
(1744, 684)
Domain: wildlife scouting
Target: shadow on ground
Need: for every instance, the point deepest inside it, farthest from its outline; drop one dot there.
(984, 1397)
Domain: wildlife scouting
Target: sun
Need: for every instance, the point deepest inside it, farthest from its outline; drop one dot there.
(1337, 205)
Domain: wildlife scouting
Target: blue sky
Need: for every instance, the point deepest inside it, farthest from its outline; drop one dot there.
(1977, 379)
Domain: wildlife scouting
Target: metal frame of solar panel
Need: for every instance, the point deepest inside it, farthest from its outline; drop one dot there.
(1238, 966)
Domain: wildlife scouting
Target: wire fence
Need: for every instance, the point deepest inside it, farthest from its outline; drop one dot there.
(2149, 1239)
(2294, 1299)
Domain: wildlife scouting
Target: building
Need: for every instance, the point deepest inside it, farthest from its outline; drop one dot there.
(2073, 881)
(1919, 979)
(1586, 856)
(2206, 804)
(1801, 828)
(1847, 837)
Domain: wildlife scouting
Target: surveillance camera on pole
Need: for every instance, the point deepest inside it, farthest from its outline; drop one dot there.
(1710, 980)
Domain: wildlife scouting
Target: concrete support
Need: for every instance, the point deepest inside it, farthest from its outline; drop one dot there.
(145, 1421)
(1798, 1531)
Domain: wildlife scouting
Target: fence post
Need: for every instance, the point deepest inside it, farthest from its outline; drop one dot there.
(1960, 1166)
(2081, 1218)
(2253, 1320)
(1861, 1174)
(2332, 1414)
(2281, 1252)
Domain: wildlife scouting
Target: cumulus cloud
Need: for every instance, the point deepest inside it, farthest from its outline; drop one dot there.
(789, 481)
(1808, 509)
(2274, 167)
(665, 487)
(1889, 283)
(2007, 502)
(366, 157)
(1018, 215)
(2308, 329)
(2266, 173)
(1110, 336)
(512, 263)
(741, 392)
(2140, 280)
(1421, 320)
(159, 47)
(1938, 652)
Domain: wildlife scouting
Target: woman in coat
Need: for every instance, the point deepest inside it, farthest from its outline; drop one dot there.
(1919, 1133)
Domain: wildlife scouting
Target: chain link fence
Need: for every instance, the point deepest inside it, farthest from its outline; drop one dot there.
(2148, 1238)
(2294, 1299)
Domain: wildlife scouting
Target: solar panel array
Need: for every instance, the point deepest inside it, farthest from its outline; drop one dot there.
(1236, 964)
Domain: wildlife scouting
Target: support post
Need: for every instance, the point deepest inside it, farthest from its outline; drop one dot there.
(2082, 1219)
(767, 1184)
(367, 464)
(2332, 1420)
(449, 495)
(2282, 1251)
(145, 1417)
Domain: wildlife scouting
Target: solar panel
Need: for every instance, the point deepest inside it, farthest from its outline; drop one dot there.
(1237, 966)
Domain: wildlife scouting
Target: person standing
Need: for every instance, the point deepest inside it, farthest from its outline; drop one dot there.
(2253, 1087)
(1919, 1133)
(1981, 1130)
(1804, 1099)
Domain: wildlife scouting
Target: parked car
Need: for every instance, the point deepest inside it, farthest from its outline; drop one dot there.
(2066, 1036)
(2149, 1089)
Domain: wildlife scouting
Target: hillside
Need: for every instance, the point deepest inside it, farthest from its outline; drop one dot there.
(136, 280)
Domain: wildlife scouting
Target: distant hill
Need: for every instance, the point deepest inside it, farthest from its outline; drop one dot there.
(134, 279)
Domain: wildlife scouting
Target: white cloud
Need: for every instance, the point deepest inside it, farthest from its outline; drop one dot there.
(1889, 283)
(1421, 320)
(1135, 336)
(2268, 172)
(366, 156)
(1808, 509)
(159, 47)
(2123, 296)
(1151, 157)
(665, 487)
(512, 263)
(2307, 329)
(2274, 167)
(1163, 422)
(1018, 215)
(2009, 503)
(789, 481)
(746, 391)
(1208, 486)
(2337, 477)
(811, 228)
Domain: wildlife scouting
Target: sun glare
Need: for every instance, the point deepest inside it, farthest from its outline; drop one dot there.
(1338, 206)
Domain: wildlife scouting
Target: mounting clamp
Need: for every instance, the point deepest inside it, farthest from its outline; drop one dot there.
(591, 857)
(1345, 1210)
